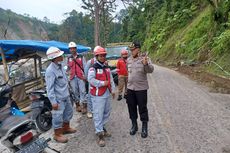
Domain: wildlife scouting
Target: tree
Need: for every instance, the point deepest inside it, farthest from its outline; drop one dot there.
(46, 20)
(76, 27)
(99, 8)
(221, 10)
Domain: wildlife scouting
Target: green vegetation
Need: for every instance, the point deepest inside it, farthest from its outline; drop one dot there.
(195, 31)
(76, 27)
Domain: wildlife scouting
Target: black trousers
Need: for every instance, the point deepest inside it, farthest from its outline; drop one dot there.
(137, 99)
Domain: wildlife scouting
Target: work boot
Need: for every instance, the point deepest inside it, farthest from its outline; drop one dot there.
(84, 108)
(106, 133)
(89, 115)
(101, 140)
(125, 96)
(144, 132)
(119, 97)
(59, 137)
(67, 129)
(134, 128)
(78, 107)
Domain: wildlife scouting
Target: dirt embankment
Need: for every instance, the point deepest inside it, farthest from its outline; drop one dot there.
(216, 83)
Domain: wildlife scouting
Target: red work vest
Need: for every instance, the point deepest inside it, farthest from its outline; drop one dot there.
(102, 75)
(122, 67)
(76, 67)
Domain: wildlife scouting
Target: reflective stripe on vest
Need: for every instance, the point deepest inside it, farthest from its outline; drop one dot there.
(102, 75)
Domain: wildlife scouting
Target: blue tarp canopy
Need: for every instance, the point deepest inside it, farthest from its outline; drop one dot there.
(14, 49)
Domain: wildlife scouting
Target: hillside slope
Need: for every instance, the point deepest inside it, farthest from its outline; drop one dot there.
(192, 36)
(22, 27)
(200, 41)
(191, 32)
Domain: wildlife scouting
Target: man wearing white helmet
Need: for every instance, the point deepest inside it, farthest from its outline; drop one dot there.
(58, 94)
(76, 64)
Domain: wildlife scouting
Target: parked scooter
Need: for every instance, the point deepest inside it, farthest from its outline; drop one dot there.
(18, 132)
(41, 109)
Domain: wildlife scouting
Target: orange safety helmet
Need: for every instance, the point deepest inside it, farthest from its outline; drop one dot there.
(98, 50)
(124, 52)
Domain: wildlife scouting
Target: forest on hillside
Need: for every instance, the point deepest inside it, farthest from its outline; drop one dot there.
(195, 31)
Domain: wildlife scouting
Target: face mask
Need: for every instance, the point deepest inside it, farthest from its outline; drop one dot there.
(60, 63)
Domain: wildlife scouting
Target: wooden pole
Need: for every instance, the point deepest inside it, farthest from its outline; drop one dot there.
(35, 67)
(40, 69)
(6, 74)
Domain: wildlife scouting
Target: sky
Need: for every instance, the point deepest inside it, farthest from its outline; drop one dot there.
(52, 9)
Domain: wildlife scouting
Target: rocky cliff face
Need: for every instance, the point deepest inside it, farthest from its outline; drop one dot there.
(14, 26)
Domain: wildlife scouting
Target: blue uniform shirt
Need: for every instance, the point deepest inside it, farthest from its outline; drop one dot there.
(56, 83)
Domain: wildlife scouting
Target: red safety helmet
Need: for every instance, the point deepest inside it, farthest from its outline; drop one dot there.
(98, 50)
(124, 52)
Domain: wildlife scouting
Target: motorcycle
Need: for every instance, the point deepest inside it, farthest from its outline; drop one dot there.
(18, 132)
(41, 110)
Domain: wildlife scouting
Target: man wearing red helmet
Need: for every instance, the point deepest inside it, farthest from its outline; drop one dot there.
(101, 89)
(122, 74)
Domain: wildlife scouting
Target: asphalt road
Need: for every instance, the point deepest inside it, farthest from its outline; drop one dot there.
(184, 118)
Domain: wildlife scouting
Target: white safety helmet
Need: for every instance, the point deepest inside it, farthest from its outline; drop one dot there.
(72, 45)
(53, 52)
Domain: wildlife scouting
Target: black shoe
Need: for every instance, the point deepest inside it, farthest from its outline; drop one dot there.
(125, 96)
(119, 98)
(134, 128)
(144, 132)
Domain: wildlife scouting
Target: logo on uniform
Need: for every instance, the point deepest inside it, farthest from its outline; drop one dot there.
(99, 71)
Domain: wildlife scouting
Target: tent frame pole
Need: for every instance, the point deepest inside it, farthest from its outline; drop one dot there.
(40, 69)
(6, 74)
(35, 67)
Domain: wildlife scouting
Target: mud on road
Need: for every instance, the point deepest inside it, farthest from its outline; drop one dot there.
(217, 84)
